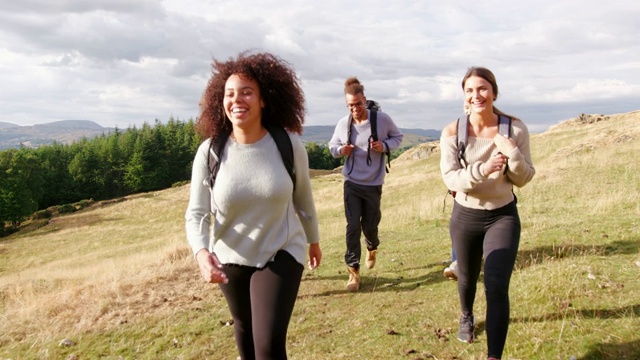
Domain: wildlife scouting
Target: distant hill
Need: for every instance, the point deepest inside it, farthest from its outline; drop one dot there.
(71, 124)
(68, 131)
(4, 125)
(64, 132)
(321, 134)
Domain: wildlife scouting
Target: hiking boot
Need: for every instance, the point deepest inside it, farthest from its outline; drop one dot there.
(353, 284)
(371, 259)
(465, 331)
(451, 271)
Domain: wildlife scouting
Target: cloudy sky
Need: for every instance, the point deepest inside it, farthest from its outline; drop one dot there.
(125, 62)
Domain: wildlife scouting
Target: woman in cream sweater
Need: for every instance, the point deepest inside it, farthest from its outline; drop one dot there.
(485, 221)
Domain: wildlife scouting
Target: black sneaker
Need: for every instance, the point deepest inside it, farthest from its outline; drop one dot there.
(465, 332)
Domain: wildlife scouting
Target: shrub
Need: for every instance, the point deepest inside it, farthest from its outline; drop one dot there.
(42, 214)
(66, 209)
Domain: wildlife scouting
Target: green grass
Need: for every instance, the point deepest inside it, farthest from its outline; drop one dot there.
(119, 281)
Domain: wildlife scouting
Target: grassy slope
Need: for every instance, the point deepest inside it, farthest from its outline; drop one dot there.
(118, 279)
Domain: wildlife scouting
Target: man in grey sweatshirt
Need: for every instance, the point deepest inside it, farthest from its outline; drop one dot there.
(364, 171)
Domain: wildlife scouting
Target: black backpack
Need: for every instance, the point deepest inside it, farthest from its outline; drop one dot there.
(278, 133)
(373, 107)
(504, 128)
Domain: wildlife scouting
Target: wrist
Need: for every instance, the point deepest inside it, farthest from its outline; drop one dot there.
(202, 253)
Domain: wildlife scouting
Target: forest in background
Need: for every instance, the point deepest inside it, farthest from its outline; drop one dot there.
(121, 163)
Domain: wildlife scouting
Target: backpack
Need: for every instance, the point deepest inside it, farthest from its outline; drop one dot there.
(504, 128)
(278, 133)
(373, 108)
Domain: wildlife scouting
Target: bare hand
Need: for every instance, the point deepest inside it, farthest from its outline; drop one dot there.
(496, 163)
(377, 146)
(315, 255)
(504, 144)
(347, 149)
(210, 267)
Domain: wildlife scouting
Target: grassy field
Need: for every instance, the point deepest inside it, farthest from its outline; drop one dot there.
(117, 279)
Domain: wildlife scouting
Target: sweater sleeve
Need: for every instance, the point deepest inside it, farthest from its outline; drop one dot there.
(456, 176)
(392, 136)
(303, 195)
(521, 169)
(339, 138)
(199, 207)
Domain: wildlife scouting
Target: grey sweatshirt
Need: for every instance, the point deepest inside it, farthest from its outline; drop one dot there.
(255, 211)
(356, 169)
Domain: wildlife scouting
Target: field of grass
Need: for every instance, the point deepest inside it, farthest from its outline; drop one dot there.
(118, 280)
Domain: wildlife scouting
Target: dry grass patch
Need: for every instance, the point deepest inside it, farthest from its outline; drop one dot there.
(119, 280)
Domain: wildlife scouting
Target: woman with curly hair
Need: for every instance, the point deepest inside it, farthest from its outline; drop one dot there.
(262, 221)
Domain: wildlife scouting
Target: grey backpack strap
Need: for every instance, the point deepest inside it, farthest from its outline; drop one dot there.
(461, 137)
(504, 125)
(504, 128)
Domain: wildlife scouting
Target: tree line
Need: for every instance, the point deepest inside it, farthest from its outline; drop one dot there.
(106, 167)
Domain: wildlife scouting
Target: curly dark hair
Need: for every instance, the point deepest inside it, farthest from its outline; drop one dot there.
(279, 87)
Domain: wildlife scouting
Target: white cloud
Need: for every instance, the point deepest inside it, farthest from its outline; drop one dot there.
(121, 62)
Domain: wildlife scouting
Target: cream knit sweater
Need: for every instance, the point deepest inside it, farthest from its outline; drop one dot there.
(474, 189)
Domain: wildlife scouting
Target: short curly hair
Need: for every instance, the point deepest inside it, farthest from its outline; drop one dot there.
(279, 87)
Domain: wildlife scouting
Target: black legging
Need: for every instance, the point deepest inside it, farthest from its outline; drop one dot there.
(494, 234)
(261, 302)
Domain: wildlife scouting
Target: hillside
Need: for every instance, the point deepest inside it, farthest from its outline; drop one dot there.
(118, 279)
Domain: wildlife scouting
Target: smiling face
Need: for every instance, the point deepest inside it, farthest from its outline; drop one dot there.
(242, 102)
(478, 95)
(357, 106)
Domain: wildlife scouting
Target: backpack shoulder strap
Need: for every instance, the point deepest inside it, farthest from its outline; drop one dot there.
(462, 134)
(504, 125)
(504, 128)
(216, 147)
(283, 141)
(373, 121)
(349, 123)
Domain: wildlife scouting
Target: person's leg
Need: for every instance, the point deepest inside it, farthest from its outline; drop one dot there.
(467, 231)
(273, 293)
(237, 294)
(500, 251)
(353, 214)
(371, 215)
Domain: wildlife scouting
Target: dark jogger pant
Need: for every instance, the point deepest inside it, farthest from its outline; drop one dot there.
(362, 210)
(261, 302)
(494, 235)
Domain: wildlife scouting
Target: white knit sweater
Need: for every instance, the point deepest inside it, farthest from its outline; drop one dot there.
(254, 210)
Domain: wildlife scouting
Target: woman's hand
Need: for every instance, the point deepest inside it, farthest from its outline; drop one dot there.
(494, 164)
(504, 144)
(315, 255)
(210, 267)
